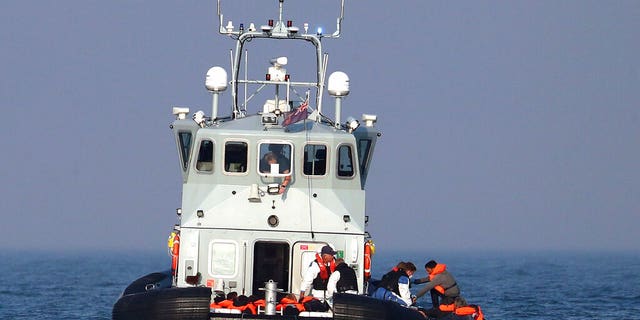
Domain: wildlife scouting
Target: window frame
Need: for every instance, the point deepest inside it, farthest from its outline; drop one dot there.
(259, 158)
(224, 157)
(236, 253)
(354, 164)
(197, 156)
(327, 159)
(185, 157)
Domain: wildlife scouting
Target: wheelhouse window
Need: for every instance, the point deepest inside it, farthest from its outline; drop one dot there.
(345, 161)
(364, 146)
(315, 160)
(205, 156)
(274, 159)
(184, 142)
(235, 157)
(223, 259)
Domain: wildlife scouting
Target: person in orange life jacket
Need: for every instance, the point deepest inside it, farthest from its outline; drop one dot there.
(342, 280)
(394, 285)
(317, 275)
(440, 283)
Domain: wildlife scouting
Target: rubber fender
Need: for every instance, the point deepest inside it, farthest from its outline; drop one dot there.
(164, 304)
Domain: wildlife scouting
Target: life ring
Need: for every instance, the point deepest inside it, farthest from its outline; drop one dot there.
(368, 251)
(174, 245)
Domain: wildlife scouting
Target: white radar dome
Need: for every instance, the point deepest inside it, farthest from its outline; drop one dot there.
(216, 79)
(338, 84)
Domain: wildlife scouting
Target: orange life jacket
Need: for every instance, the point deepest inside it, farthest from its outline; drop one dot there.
(439, 268)
(225, 303)
(470, 310)
(447, 307)
(324, 274)
(292, 302)
(228, 304)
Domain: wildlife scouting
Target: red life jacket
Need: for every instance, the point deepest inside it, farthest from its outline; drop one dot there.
(324, 273)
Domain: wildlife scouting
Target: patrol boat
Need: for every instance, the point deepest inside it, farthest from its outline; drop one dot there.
(265, 186)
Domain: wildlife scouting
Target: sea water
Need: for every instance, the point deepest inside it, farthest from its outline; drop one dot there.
(542, 285)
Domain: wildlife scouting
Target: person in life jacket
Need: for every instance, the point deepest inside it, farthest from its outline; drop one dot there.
(342, 280)
(317, 275)
(442, 286)
(394, 285)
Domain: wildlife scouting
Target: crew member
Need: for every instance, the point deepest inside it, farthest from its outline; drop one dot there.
(317, 275)
(342, 280)
(394, 285)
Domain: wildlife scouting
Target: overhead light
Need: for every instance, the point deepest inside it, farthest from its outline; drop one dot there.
(346, 218)
(352, 124)
(200, 213)
(269, 118)
(199, 118)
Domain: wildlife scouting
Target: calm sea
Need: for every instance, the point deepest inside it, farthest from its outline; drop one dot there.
(506, 285)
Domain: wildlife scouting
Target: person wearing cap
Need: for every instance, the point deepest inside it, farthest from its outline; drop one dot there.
(317, 275)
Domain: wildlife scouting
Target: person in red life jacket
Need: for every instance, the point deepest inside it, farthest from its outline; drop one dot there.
(442, 286)
(394, 285)
(317, 275)
(342, 280)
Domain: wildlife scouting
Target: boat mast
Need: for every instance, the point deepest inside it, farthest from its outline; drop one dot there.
(277, 30)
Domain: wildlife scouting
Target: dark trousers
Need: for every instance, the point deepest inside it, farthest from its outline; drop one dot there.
(435, 298)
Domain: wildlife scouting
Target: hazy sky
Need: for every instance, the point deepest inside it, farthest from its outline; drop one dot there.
(506, 124)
